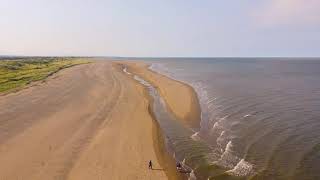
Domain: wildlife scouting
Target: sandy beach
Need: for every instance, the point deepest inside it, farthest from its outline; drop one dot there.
(86, 122)
(90, 121)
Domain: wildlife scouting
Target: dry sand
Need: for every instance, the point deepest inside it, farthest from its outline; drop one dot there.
(181, 98)
(86, 122)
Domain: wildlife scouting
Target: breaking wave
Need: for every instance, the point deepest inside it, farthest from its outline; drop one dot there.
(196, 136)
(243, 168)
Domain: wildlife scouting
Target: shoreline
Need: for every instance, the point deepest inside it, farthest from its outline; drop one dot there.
(113, 128)
(191, 116)
(164, 158)
(194, 114)
(183, 105)
(166, 161)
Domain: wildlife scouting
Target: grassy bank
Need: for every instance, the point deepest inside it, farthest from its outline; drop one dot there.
(16, 73)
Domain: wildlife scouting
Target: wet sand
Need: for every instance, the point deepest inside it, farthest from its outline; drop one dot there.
(181, 98)
(86, 122)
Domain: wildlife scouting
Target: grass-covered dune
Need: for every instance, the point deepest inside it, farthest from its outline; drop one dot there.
(16, 73)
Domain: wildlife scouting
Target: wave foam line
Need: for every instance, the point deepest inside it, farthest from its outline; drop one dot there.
(195, 136)
(243, 168)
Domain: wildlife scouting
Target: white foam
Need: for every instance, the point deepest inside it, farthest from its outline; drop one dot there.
(192, 176)
(224, 117)
(221, 138)
(228, 147)
(206, 103)
(125, 70)
(195, 136)
(183, 162)
(217, 125)
(221, 134)
(228, 159)
(243, 168)
(162, 69)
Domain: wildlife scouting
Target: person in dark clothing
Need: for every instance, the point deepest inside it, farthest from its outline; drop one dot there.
(150, 164)
(178, 165)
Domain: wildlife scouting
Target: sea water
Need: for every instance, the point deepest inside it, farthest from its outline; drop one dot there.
(260, 117)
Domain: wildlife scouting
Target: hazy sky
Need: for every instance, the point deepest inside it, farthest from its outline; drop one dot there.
(160, 28)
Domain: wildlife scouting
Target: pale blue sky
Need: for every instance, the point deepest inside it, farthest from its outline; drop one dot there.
(160, 28)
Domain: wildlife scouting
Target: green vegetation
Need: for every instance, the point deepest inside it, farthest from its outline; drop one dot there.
(16, 73)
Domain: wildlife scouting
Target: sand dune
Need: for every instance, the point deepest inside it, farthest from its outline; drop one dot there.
(86, 122)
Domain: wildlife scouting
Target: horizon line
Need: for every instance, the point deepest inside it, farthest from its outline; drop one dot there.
(159, 57)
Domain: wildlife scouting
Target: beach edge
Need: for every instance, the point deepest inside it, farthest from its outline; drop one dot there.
(190, 114)
(164, 158)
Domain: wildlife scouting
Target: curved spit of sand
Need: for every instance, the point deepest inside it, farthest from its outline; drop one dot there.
(180, 97)
(86, 122)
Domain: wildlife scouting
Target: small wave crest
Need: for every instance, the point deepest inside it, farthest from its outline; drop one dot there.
(205, 102)
(237, 166)
(192, 176)
(228, 159)
(195, 136)
(217, 126)
(161, 68)
(243, 168)
(221, 138)
(207, 105)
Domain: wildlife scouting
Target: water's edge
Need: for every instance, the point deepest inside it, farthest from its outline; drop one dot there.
(209, 169)
(193, 153)
(160, 143)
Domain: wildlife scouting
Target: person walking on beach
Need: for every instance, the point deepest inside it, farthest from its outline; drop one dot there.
(150, 164)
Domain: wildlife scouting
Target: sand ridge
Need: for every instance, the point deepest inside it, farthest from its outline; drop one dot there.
(180, 98)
